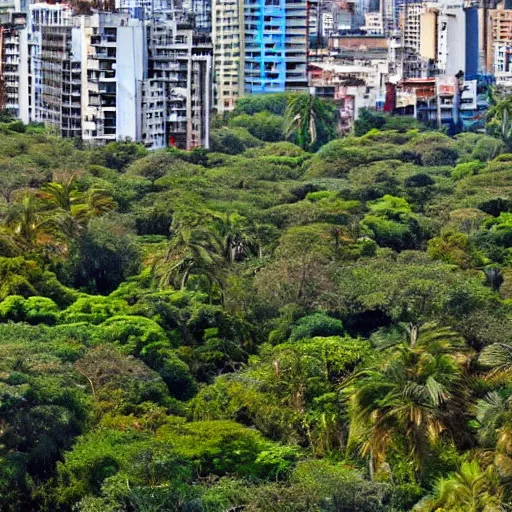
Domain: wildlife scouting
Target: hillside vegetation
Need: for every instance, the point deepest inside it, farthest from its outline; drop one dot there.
(289, 322)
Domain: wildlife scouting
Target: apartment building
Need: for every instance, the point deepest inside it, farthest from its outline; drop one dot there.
(41, 16)
(228, 51)
(59, 102)
(276, 43)
(14, 97)
(499, 41)
(373, 24)
(409, 23)
(180, 61)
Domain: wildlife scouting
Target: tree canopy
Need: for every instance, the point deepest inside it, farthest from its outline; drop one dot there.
(290, 321)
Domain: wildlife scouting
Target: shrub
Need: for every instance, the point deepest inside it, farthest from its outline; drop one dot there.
(467, 169)
(252, 104)
(93, 309)
(263, 125)
(232, 141)
(318, 324)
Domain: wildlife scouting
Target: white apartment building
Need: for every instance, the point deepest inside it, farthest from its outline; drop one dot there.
(443, 35)
(14, 95)
(108, 76)
(373, 24)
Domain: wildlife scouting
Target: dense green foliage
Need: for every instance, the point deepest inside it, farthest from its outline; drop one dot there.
(257, 327)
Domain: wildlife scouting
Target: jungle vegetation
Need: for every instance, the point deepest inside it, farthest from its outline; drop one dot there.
(288, 322)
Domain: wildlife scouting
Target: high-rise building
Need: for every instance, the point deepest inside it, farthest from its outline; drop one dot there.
(180, 65)
(443, 35)
(41, 16)
(499, 41)
(60, 104)
(276, 43)
(228, 51)
(112, 76)
(14, 96)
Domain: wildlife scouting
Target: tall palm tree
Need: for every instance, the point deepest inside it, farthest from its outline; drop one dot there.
(471, 489)
(193, 249)
(501, 112)
(235, 238)
(72, 208)
(310, 118)
(413, 396)
(28, 227)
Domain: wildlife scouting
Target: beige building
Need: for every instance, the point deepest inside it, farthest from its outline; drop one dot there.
(410, 25)
(228, 46)
(428, 39)
(498, 47)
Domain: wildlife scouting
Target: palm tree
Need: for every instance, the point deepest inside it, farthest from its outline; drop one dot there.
(72, 209)
(471, 489)
(498, 359)
(193, 249)
(494, 421)
(311, 119)
(414, 396)
(28, 227)
(501, 112)
(63, 195)
(236, 241)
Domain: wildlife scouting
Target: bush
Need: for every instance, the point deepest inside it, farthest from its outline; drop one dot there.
(93, 309)
(336, 158)
(103, 256)
(434, 149)
(118, 155)
(163, 163)
(467, 169)
(253, 104)
(232, 141)
(263, 125)
(33, 310)
(318, 324)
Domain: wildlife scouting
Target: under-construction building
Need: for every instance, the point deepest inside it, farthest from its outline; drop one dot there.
(61, 91)
(180, 65)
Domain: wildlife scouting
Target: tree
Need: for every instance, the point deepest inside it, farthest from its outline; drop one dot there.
(301, 268)
(73, 208)
(263, 125)
(102, 256)
(498, 359)
(236, 239)
(194, 249)
(368, 121)
(233, 141)
(412, 397)
(471, 489)
(118, 155)
(28, 226)
(501, 115)
(311, 119)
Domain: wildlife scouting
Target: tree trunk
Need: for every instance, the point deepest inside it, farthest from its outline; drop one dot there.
(413, 334)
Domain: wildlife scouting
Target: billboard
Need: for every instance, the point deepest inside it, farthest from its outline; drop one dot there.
(405, 98)
(447, 85)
